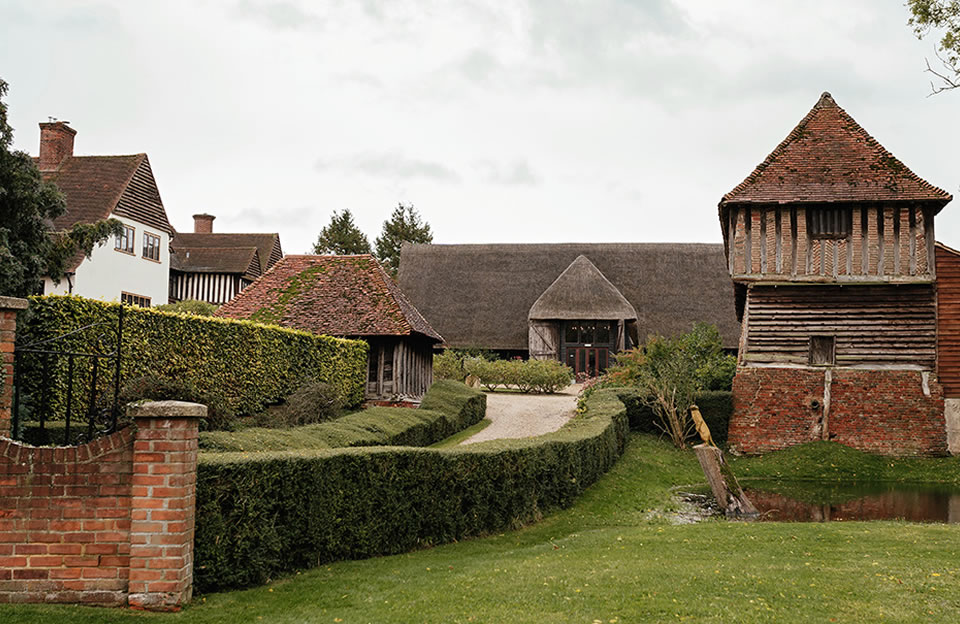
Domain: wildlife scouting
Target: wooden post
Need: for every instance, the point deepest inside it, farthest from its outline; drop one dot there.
(723, 484)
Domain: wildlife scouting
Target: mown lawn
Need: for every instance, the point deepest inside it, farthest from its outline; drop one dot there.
(616, 557)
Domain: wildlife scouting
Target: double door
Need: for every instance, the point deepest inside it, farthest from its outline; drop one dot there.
(587, 344)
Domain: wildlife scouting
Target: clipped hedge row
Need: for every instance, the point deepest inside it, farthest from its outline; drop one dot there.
(447, 408)
(247, 365)
(263, 514)
(716, 406)
(541, 376)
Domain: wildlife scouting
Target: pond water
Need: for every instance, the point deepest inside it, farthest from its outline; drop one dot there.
(797, 501)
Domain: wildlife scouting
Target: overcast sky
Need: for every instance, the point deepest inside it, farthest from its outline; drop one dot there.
(501, 121)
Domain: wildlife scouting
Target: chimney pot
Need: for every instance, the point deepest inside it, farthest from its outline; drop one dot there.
(203, 223)
(56, 144)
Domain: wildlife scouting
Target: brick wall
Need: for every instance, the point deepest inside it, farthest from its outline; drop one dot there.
(9, 307)
(880, 411)
(109, 522)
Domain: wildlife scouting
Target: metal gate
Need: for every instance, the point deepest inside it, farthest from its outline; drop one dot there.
(45, 366)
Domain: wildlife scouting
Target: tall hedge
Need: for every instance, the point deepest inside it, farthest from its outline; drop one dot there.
(246, 364)
(262, 514)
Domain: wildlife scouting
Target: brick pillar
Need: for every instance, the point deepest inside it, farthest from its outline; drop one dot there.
(162, 503)
(9, 307)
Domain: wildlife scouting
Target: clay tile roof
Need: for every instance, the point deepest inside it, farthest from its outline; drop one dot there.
(828, 157)
(95, 185)
(267, 244)
(334, 295)
(582, 291)
(243, 260)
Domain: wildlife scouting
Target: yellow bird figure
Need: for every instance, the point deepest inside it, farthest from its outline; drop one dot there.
(701, 426)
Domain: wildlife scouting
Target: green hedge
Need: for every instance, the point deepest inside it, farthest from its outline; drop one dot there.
(540, 376)
(716, 406)
(263, 514)
(246, 364)
(448, 407)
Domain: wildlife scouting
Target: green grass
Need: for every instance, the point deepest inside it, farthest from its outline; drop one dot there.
(828, 461)
(615, 556)
(457, 438)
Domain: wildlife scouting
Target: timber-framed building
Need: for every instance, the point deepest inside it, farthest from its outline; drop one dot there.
(348, 297)
(830, 245)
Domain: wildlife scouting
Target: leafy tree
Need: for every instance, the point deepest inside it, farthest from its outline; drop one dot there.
(403, 226)
(927, 15)
(29, 249)
(670, 372)
(341, 237)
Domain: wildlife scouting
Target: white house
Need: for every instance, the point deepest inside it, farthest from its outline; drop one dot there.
(134, 268)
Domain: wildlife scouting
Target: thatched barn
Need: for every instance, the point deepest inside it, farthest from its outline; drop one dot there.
(348, 297)
(574, 302)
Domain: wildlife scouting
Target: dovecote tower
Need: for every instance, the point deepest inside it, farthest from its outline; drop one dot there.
(830, 245)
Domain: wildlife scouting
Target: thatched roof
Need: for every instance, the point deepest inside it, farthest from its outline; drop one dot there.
(480, 295)
(582, 292)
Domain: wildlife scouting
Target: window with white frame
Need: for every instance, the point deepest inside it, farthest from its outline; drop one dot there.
(151, 246)
(125, 240)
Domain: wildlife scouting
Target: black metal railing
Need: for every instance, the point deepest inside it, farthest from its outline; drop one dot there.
(53, 368)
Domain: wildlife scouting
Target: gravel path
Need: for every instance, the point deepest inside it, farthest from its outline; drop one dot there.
(516, 415)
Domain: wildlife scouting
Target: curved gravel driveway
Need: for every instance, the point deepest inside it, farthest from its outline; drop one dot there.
(515, 415)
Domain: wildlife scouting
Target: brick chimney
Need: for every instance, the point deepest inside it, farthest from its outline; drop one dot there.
(56, 143)
(203, 223)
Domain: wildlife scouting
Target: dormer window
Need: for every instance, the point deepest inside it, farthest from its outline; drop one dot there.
(830, 222)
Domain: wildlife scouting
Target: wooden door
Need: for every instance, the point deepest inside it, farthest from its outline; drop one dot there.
(590, 360)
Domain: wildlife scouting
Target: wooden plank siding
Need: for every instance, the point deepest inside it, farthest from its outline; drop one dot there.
(883, 325)
(948, 320)
(215, 288)
(886, 242)
(409, 374)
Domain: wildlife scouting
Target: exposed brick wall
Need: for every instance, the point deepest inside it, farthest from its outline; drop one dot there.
(109, 522)
(880, 411)
(887, 412)
(9, 307)
(773, 408)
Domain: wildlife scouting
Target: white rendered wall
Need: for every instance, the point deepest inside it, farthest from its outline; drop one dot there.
(108, 272)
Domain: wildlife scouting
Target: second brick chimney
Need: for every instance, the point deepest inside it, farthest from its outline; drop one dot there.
(56, 143)
(203, 223)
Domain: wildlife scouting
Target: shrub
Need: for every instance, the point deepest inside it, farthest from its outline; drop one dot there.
(669, 372)
(244, 365)
(163, 388)
(262, 514)
(716, 406)
(542, 376)
(189, 306)
(449, 365)
(447, 408)
(313, 402)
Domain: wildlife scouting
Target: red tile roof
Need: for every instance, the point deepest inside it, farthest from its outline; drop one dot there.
(334, 295)
(829, 158)
(95, 185)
